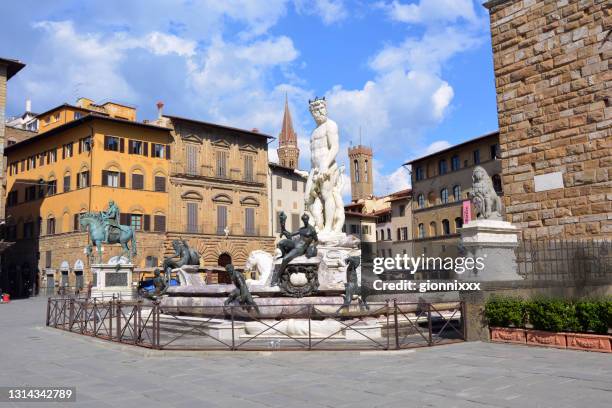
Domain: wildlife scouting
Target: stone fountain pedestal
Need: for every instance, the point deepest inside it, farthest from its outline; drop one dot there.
(113, 279)
(495, 242)
(189, 276)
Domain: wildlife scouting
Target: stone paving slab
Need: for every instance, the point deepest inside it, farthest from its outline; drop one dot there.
(459, 375)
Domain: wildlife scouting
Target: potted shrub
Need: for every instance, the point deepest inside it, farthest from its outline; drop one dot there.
(506, 317)
(594, 318)
(549, 319)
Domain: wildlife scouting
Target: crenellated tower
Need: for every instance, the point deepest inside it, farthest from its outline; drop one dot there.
(362, 185)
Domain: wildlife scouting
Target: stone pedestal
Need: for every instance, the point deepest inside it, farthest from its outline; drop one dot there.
(113, 279)
(189, 275)
(494, 241)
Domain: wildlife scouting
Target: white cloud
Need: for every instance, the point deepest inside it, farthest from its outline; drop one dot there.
(397, 180)
(428, 11)
(330, 11)
(85, 64)
(427, 53)
(230, 82)
(164, 44)
(436, 147)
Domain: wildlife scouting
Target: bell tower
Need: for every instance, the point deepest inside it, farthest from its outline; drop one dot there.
(362, 185)
(288, 152)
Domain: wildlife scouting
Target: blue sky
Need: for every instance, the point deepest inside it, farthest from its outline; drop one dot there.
(415, 76)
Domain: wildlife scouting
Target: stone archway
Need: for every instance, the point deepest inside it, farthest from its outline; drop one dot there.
(223, 260)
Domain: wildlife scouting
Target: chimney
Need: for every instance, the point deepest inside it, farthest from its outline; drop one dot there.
(160, 107)
(255, 130)
(28, 105)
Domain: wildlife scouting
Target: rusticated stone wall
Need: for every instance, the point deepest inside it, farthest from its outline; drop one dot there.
(553, 83)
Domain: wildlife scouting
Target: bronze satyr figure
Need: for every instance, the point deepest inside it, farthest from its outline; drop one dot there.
(352, 288)
(241, 292)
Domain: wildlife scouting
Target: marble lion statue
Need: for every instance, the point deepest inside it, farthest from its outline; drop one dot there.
(484, 197)
(261, 262)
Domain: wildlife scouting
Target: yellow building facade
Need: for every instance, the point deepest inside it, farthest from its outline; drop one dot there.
(172, 178)
(76, 165)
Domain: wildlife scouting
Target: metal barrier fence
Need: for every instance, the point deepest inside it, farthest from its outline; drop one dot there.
(385, 326)
(565, 259)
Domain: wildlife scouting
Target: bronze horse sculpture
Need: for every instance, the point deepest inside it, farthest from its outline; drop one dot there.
(96, 226)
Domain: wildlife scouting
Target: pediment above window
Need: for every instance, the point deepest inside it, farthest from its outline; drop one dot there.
(249, 200)
(222, 198)
(192, 195)
(221, 143)
(192, 138)
(248, 148)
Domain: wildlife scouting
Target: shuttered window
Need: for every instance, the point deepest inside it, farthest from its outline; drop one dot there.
(248, 168)
(221, 163)
(66, 183)
(295, 222)
(279, 182)
(160, 183)
(221, 219)
(110, 178)
(137, 182)
(192, 159)
(249, 221)
(113, 143)
(159, 223)
(47, 259)
(83, 179)
(192, 217)
(136, 221)
(50, 226)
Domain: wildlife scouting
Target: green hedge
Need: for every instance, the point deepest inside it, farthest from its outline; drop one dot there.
(589, 315)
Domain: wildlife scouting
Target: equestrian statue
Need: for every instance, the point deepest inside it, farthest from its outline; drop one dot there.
(104, 228)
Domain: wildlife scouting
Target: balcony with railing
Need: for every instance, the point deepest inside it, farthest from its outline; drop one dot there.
(212, 173)
(229, 230)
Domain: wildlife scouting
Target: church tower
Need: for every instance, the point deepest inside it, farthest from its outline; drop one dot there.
(362, 185)
(288, 152)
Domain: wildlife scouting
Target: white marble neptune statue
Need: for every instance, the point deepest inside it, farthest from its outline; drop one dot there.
(325, 180)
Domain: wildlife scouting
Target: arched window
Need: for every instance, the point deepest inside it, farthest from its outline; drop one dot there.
(51, 225)
(389, 234)
(421, 231)
(457, 192)
(356, 167)
(365, 171)
(377, 235)
(445, 227)
(455, 163)
(433, 230)
(421, 201)
(444, 195)
(442, 166)
(458, 223)
(137, 180)
(497, 183)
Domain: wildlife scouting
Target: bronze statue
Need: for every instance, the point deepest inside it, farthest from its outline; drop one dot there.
(160, 284)
(111, 216)
(352, 288)
(104, 228)
(185, 255)
(291, 249)
(241, 292)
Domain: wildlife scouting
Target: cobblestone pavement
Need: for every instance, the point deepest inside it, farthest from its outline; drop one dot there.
(459, 375)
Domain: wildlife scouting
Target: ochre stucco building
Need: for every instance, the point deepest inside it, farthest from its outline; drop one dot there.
(172, 178)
